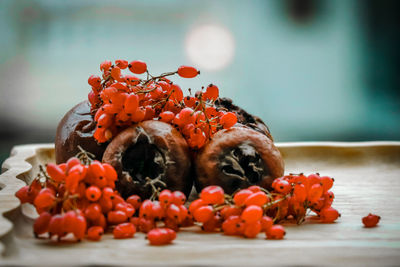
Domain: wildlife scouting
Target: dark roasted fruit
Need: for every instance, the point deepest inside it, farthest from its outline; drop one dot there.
(76, 129)
(148, 155)
(237, 158)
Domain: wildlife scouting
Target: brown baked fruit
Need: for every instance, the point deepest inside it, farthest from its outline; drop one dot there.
(76, 129)
(151, 154)
(238, 158)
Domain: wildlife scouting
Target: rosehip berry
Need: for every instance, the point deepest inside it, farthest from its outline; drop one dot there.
(93, 193)
(124, 230)
(240, 197)
(371, 220)
(258, 199)
(135, 201)
(95, 233)
(178, 198)
(203, 213)
(187, 72)
(55, 172)
(329, 215)
(161, 236)
(196, 204)
(251, 230)
(275, 232)
(93, 211)
(122, 64)
(213, 194)
(116, 217)
(266, 223)
(41, 224)
(251, 214)
(228, 120)
(137, 67)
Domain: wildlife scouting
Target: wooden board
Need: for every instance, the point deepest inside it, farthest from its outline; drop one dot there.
(367, 179)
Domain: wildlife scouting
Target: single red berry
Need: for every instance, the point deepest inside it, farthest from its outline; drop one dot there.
(228, 120)
(240, 197)
(196, 204)
(329, 215)
(230, 210)
(187, 72)
(213, 194)
(212, 92)
(251, 230)
(258, 199)
(252, 214)
(23, 194)
(95, 233)
(137, 67)
(275, 232)
(122, 64)
(282, 186)
(93, 211)
(167, 116)
(266, 223)
(203, 213)
(124, 230)
(135, 201)
(161, 236)
(41, 224)
(93, 193)
(371, 220)
(315, 193)
(94, 81)
(300, 192)
(105, 65)
(55, 172)
(327, 183)
(116, 217)
(178, 198)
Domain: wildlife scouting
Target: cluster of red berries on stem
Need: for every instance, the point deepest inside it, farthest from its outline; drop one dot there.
(118, 101)
(253, 210)
(79, 199)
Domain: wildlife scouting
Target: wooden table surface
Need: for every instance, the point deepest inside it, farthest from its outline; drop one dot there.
(367, 179)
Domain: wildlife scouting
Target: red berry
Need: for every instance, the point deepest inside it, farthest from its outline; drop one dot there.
(196, 204)
(240, 197)
(138, 67)
(56, 226)
(266, 223)
(228, 120)
(203, 213)
(327, 183)
(116, 217)
(213, 194)
(329, 215)
(55, 172)
(258, 199)
(282, 186)
(167, 116)
(300, 192)
(94, 81)
(135, 201)
(93, 193)
(122, 64)
(212, 92)
(178, 198)
(105, 65)
(41, 224)
(124, 230)
(275, 232)
(187, 72)
(315, 193)
(23, 194)
(95, 233)
(45, 199)
(371, 220)
(93, 211)
(252, 214)
(251, 230)
(161, 236)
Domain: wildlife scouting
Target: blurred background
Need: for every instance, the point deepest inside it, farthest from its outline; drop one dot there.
(312, 69)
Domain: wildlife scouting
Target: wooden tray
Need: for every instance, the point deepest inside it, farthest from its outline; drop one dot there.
(367, 179)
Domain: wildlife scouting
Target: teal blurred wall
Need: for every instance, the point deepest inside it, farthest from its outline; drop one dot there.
(306, 73)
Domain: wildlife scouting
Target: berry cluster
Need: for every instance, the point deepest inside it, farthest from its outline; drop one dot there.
(79, 199)
(254, 210)
(118, 101)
